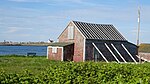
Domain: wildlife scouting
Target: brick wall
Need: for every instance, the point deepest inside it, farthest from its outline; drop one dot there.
(55, 56)
(64, 35)
(78, 43)
(78, 46)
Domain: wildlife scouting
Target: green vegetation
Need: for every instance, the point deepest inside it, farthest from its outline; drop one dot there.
(40, 70)
(16, 64)
(144, 48)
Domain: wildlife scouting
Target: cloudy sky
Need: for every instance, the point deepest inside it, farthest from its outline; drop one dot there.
(40, 20)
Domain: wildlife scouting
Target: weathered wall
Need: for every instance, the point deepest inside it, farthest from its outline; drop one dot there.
(64, 35)
(55, 56)
(90, 50)
(78, 47)
(78, 43)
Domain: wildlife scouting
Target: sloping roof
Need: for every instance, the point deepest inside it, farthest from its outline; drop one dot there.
(61, 44)
(99, 31)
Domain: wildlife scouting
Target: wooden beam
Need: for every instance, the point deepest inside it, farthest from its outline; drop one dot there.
(128, 53)
(112, 53)
(100, 53)
(118, 53)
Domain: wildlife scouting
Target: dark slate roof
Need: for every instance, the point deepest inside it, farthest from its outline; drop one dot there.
(61, 44)
(99, 31)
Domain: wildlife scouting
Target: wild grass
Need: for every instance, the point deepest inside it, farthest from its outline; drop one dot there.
(17, 64)
(144, 48)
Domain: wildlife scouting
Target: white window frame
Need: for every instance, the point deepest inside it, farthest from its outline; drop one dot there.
(54, 49)
(70, 32)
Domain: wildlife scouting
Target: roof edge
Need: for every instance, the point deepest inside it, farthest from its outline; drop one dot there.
(91, 22)
(132, 44)
(108, 40)
(63, 30)
(61, 44)
(67, 26)
(78, 29)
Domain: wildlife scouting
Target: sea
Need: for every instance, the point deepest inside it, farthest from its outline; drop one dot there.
(23, 50)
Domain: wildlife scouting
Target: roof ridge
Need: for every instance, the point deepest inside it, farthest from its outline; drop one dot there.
(90, 22)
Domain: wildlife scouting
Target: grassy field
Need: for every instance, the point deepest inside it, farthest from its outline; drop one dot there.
(144, 48)
(17, 64)
(19, 69)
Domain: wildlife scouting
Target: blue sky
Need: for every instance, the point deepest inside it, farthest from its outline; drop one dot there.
(40, 20)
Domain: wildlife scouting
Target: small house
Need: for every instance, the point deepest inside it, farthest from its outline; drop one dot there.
(82, 41)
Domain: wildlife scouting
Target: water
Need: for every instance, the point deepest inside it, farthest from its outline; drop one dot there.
(23, 50)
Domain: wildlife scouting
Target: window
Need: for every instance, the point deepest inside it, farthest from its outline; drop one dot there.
(54, 50)
(70, 32)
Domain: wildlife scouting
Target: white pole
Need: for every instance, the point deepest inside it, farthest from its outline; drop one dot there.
(138, 31)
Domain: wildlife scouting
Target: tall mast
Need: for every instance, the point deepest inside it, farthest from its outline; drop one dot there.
(138, 34)
(138, 31)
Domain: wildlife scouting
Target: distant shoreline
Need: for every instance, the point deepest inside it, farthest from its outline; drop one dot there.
(42, 44)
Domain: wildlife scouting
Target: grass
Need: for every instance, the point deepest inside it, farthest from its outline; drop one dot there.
(16, 64)
(144, 48)
(36, 64)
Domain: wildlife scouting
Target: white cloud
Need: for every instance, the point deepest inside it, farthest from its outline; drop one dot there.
(54, 2)
(103, 12)
(12, 30)
(16, 29)
(24, 35)
(25, 0)
(141, 31)
(75, 1)
(50, 17)
(44, 1)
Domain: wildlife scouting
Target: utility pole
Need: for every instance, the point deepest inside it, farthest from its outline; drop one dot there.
(138, 33)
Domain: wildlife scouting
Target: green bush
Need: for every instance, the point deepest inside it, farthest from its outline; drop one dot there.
(83, 72)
